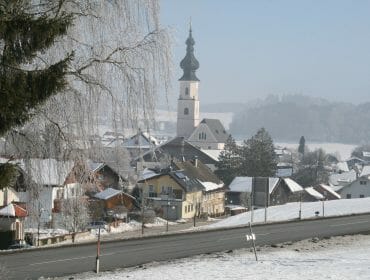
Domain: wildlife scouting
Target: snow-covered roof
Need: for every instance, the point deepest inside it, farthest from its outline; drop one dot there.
(13, 210)
(292, 185)
(342, 178)
(214, 154)
(210, 186)
(107, 194)
(147, 174)
(311, 191)
(241, 184)
(244, 184)
(94, 166)
(365, 170)
(342, 166)
(47, 171)
(330, 190)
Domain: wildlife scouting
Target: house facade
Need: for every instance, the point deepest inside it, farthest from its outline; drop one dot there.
(243, 190)
(210, 134)
(357, 189)
(184, 190)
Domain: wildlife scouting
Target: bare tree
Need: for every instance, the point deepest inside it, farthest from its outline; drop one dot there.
(121, 60)
(75, 215)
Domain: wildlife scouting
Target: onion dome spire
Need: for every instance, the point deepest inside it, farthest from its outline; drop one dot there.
(189, 64)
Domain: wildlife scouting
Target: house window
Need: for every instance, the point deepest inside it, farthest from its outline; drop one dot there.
(186, 91)
(151, 191)
(203, 135)
(362, 182)
(362, 196)
(186, 111)
(348, 196)
(59, 194)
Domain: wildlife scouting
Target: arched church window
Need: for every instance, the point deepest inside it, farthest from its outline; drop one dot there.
(200, 136)
(186, 91)
(186, 111)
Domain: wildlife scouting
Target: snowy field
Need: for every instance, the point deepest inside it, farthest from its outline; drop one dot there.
(338, 258)
(343, 151)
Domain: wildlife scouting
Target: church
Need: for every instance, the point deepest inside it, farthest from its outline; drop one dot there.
(207, 134)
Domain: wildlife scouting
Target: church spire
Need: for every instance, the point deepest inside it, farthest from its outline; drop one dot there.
(189, 64)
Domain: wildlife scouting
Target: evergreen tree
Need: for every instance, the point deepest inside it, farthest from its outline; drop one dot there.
(24, 34)
(302, 147)
(311, 170)
(258, 157)
(229, 161)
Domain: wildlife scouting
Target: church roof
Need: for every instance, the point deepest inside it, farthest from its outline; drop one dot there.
(217, 129)
(189, 64)
(180, 149)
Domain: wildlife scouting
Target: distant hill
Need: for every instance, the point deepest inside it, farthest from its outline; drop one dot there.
(289, 117)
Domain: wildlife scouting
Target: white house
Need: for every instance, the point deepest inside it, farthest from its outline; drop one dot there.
(357, 189)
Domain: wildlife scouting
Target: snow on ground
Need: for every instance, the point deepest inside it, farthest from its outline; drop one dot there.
(344, 150)
(158, 222)
(338, 258)
(290, 211)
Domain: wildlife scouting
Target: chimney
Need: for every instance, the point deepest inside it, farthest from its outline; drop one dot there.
(196, 161)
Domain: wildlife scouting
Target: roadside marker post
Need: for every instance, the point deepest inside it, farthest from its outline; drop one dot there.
(97, 264)
(252, 237)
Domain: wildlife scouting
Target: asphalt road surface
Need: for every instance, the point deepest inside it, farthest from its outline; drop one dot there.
(62, 261)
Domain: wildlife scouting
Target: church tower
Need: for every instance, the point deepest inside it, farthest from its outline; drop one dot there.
(188, 102)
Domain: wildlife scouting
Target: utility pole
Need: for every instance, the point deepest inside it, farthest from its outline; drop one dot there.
(267, 195)
(168, 206)
(323, 207)
(142, 211)
(252, 206)
(300, 206)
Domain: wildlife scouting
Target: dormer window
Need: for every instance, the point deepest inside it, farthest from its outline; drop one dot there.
(186, 111)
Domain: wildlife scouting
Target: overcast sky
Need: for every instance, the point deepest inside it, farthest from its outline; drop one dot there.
(250, 49)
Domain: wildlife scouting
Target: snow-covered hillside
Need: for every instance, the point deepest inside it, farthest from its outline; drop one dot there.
(291, 211)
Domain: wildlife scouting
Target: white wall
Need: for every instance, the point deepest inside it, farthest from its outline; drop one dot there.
(357, 188)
